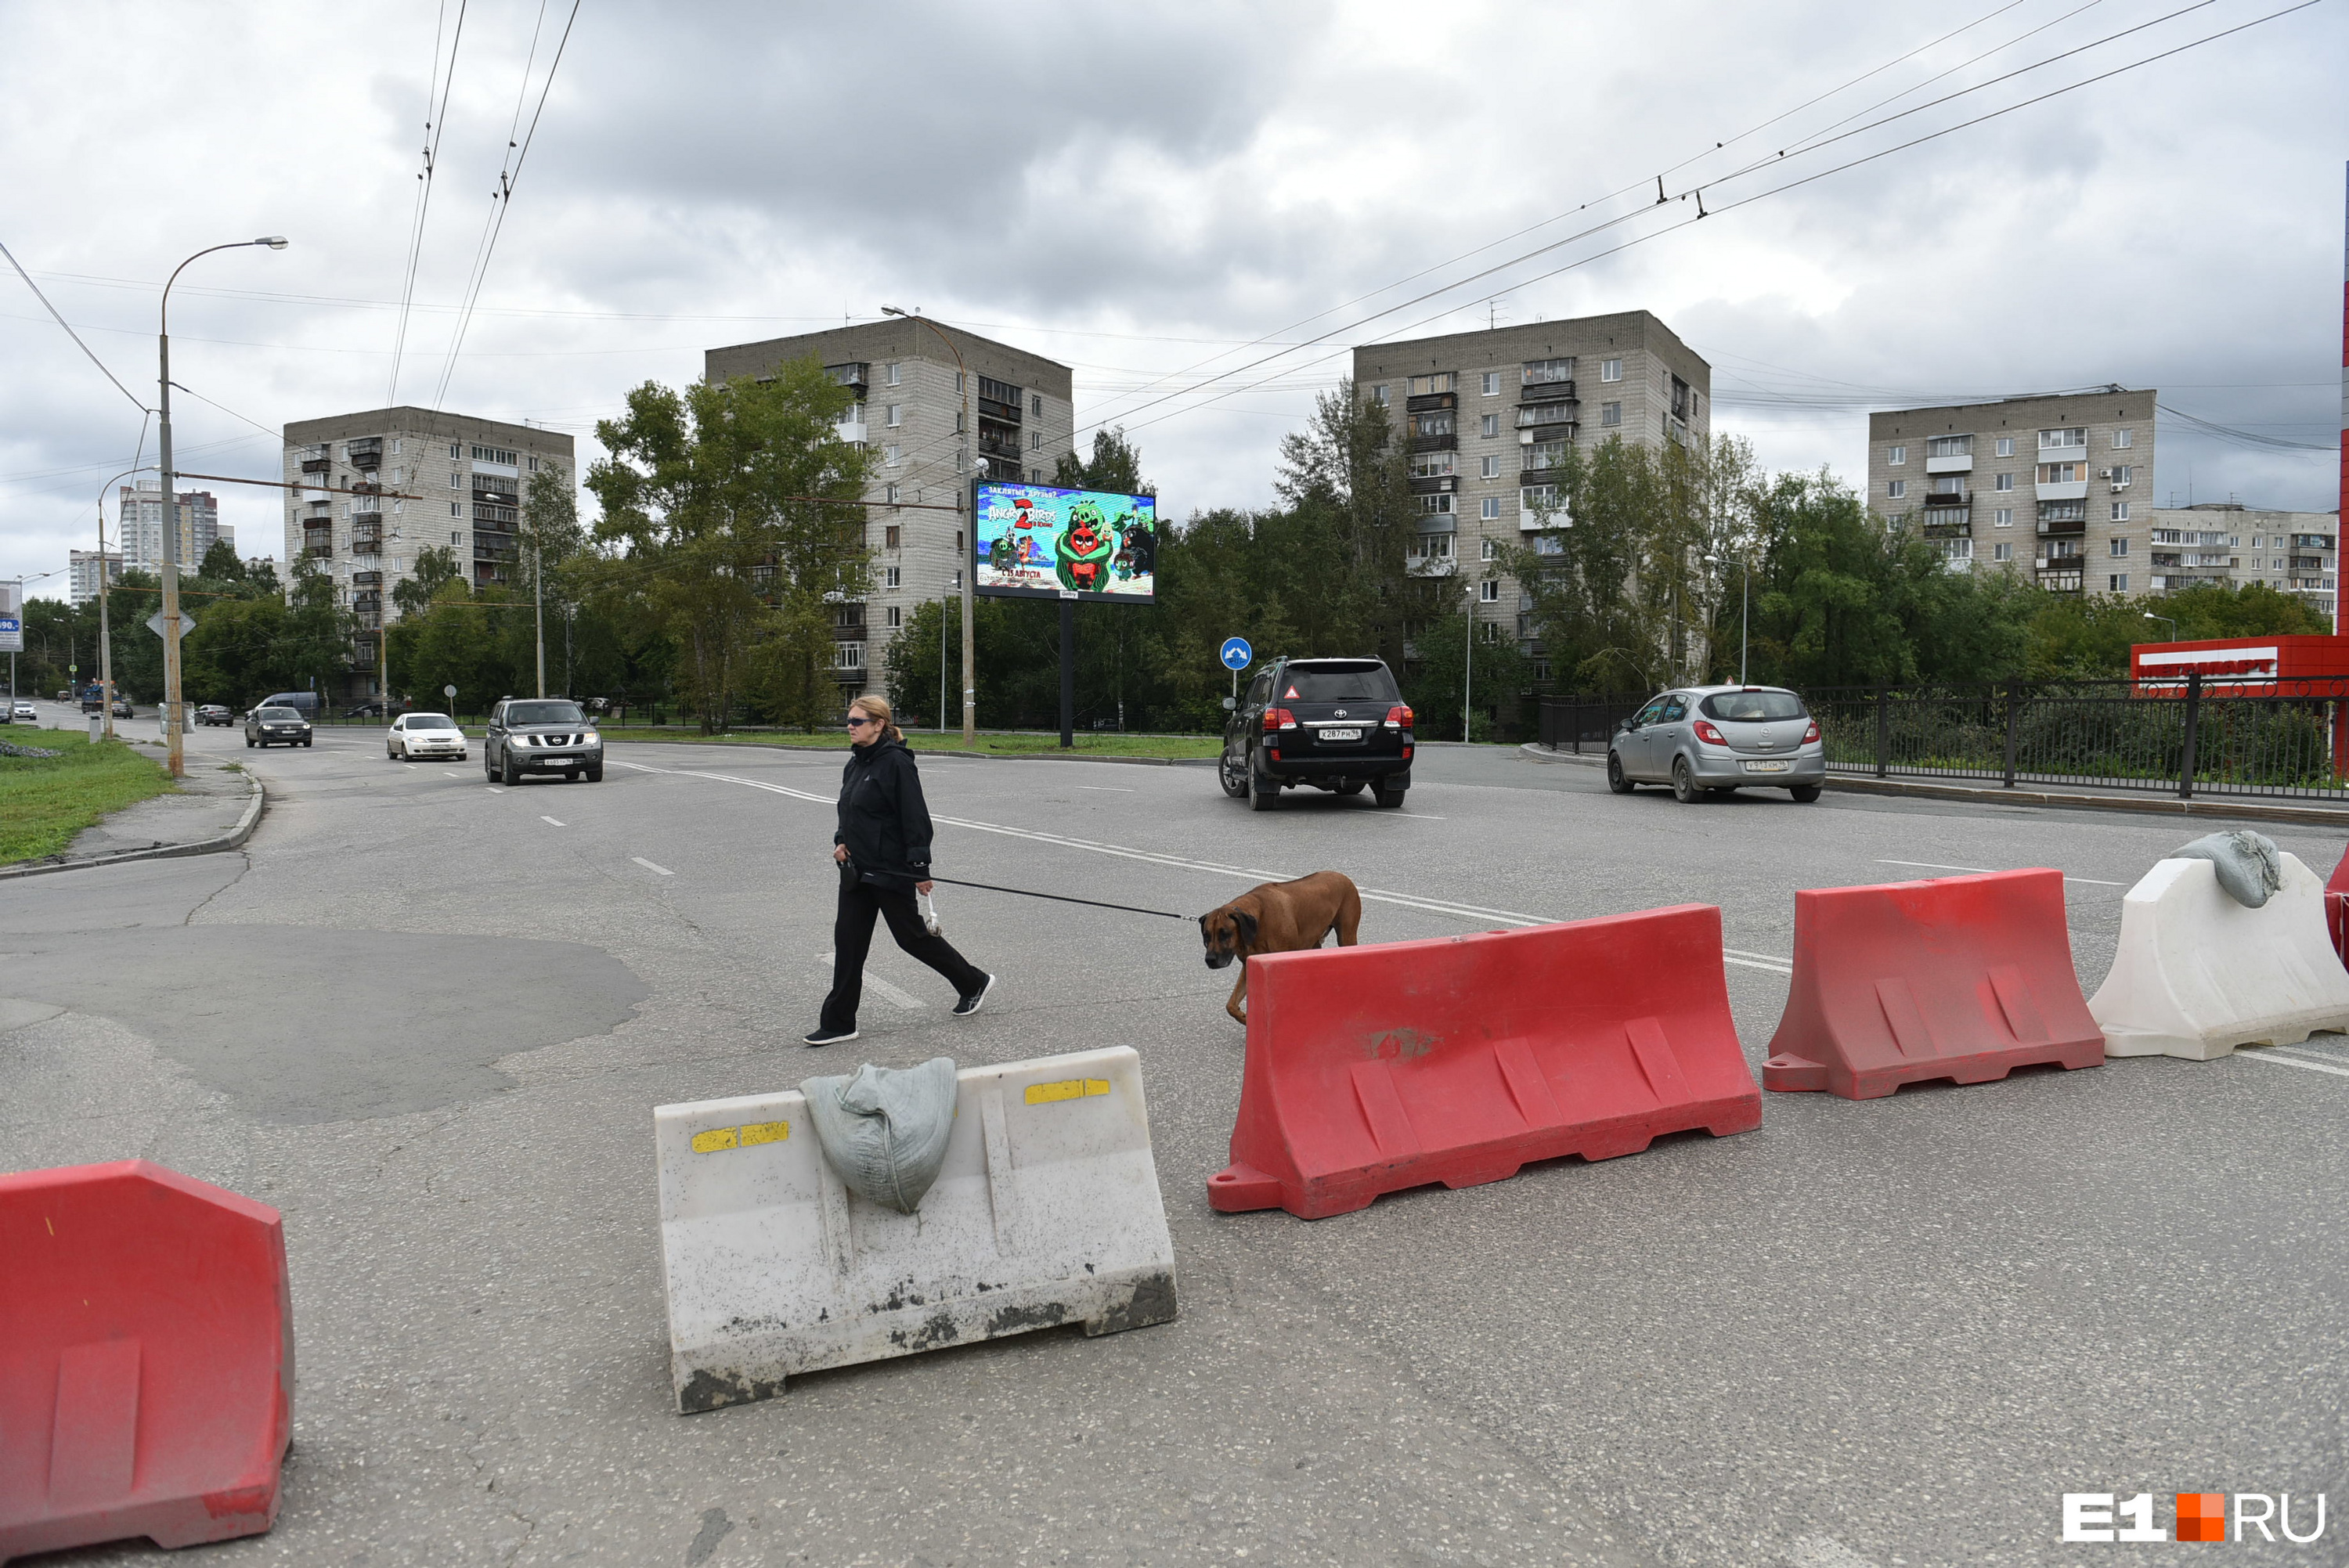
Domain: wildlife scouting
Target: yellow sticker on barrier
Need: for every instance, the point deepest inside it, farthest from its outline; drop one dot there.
(1067, 1089)
(746, 1137)
(712, 1142)
(765, 1132)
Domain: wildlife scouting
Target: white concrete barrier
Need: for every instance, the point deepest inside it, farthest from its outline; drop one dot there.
(1046, 1211)
(2198, 974)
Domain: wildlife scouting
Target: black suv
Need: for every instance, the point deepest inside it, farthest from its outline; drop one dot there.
(1333, 724)
(541, 734)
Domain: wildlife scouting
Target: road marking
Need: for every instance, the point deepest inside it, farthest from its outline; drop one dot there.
(446, 774)
(495, 789)
(877, 983)
(1986, 870)
(1745, 960)
(650, 867)
(2282, 1056)
(1110, 789)
(550, 822)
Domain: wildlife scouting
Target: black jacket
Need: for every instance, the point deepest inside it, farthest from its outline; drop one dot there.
(884, 821)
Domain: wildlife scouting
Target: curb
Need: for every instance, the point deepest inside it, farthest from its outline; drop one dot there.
(256, 803)
(2149, 805)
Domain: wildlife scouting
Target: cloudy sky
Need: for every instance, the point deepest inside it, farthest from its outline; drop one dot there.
(1212, 200)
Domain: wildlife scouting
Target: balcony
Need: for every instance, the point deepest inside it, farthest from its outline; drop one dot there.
(493, 552)
(495, 494)
(1427, 400)
(2062, 579)
(1952, 528)
(1533, 416)
(996, 408)
(1961, 463)
(2311, 541)
(487, 573)
(1430, 565)
(367, 580)
(2064, 490)
(1546, 390)
(498, 517)
(369, 543)
(366, 600)
(2304, 562)
(317, 465)
(1000, 453)
(368, 453)
(1435, 484)
(1449, 443)
(316, 549)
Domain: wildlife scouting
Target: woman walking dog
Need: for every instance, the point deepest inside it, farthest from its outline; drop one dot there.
(882, 847)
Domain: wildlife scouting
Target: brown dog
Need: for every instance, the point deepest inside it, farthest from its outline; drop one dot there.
(1279, 917)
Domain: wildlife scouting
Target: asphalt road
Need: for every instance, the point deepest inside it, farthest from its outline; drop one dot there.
(429, 1019)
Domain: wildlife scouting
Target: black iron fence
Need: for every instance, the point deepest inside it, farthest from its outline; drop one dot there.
(2191, 737)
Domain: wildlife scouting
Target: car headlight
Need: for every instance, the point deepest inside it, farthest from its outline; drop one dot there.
(591, 739)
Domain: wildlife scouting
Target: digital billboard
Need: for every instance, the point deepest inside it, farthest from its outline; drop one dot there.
(1042, 541)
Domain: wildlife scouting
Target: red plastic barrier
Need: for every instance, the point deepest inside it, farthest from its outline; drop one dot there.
(146, 1359)
(1371, 1069)
(2336, 909)
(1955, 977)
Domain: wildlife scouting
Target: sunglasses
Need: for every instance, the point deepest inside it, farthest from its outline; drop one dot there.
(853, 721)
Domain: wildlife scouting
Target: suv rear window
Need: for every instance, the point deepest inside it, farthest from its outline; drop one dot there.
(1753, 707)
(1363, 682)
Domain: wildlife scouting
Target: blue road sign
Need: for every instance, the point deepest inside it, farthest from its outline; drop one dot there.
(1236, 652)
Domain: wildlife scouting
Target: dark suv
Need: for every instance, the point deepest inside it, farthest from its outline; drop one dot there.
(1333, 724)
(541, 734)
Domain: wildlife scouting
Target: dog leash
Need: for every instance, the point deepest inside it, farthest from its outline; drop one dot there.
(1061, 898)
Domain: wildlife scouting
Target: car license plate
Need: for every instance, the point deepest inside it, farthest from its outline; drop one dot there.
(1775, 766)
(557, 761)
(1341, 735)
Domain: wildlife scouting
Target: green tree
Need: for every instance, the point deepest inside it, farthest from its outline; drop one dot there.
(240, 653)
(435, 564)
(733, 509)
(220, 563)
(1488, 689)
(1116, 467)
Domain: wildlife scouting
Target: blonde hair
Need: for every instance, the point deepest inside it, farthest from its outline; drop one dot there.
(878, 707)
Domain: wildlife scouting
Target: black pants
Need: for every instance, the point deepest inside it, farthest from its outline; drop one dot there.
(851, 939)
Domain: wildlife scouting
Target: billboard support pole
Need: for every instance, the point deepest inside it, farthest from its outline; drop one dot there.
(1068, 673)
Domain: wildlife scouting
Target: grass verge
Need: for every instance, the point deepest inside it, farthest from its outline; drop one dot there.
(1021, 743)
(45, 800)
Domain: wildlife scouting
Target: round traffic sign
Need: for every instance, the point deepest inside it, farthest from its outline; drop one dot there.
(448, 691)
(1236, 652)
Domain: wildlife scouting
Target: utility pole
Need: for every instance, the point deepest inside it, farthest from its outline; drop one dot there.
(105, 633)
(968, 555)
(1468, 668)
(538, 609)
(173, 723)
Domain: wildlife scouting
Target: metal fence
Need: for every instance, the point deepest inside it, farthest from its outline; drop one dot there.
(2274, 738)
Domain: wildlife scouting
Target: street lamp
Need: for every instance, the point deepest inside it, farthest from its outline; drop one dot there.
(172, 717)
(2165, 620)
(105, 632)
(969, 638)
(1744, 610)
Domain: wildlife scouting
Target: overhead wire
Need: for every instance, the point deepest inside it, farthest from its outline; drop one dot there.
(61, 321)
(435, 124)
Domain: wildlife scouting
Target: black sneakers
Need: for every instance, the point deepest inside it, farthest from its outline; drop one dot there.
(829, 1037)
(966, 1006)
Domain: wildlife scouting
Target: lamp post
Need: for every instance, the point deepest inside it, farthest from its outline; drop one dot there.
(1468, 667)
(965, 558)
(1744, 610)
(172, 718)
(105, 633)
(2165, 620)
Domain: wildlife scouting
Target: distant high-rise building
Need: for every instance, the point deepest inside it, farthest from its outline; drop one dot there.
(367, 542)
(83, 568)
(141, 524)
(910, 406)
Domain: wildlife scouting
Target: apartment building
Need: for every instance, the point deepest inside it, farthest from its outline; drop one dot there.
(1488, 416)
(367, 542)
(2295, 552)
(140, 522)
(2059, 487)
(911, 401)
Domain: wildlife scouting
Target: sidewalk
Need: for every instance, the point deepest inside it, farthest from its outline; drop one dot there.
(2061, 795)
(214, 809)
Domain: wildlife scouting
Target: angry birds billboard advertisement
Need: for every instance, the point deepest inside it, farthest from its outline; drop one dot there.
(1043, 541)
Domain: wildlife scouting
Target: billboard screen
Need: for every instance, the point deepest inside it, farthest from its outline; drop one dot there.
(1043, 541)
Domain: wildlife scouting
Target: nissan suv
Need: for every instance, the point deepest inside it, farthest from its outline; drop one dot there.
(1339, 725)
(540, 735)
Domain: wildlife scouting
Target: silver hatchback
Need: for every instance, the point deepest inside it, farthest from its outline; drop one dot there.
(1706, 740)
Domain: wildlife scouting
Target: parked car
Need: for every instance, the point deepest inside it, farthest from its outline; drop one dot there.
(1710, 741)
(304, 703)
(24, 712)
(373, 708)
(273, 726)
(214, 713)
(540, 735)
(1339, 725)
(418, 735)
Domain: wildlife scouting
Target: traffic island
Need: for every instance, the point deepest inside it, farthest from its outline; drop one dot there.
(104, 802)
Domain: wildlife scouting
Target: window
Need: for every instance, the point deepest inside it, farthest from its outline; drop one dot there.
(1545, 454)
(2124, 437)
(958, 382)
(848, 655)
(896, 614)
(1492, 383)
(1428, 386)
(2060, 473)
(456, 482)
(1489, 508)
(456, 450)
(2003, 481)
(2002, 550)
(890, 579)
(2122, 474)
(1610, 413)
(496, 455)
(456, 538)
(1435, 545)
(1036, 405)
(2006, 446)
(1957, 549)
(2119, 546)
(1430, 465)
(892, 537)
(1492, 467)
(1488, 592)
(2002, 517)
(2120, 512)
(1550, 372)
(1542, 501)
(890, 492)
(1379, 395)
(1897, 456)
(2118, 582)
(395, 446)
(1489, 426)
(889, 457)
(1611, 370)
(896, 415)
(2063, 440)
(1435, 505)
(456, 509)
(1950, 446)
(1897, 489)
(1488, 549)
(1431, 422)
(892, 375)
(1035, 441)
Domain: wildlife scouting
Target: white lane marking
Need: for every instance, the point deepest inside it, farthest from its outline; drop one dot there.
(444, 772)
(1780, 969)
(495, 789)
(1985, 871)
(1776, 966)
(650, 867)
(877, 983)
(550, 822)
(2283, 1057)
(1108, 789)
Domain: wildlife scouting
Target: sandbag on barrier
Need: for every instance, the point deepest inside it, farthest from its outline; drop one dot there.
(2197, 974)
(1954, 977)
(146, 1359)
(1046, 1210)
(1371, 1069)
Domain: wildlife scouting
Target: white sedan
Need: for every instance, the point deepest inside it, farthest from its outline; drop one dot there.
(414, 737)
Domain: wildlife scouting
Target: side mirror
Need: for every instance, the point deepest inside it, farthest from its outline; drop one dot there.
(1230, 704)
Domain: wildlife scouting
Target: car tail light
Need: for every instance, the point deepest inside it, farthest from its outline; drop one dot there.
(1708, 734)
(1287, 720)
(1811, 734)
(1398, 718)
